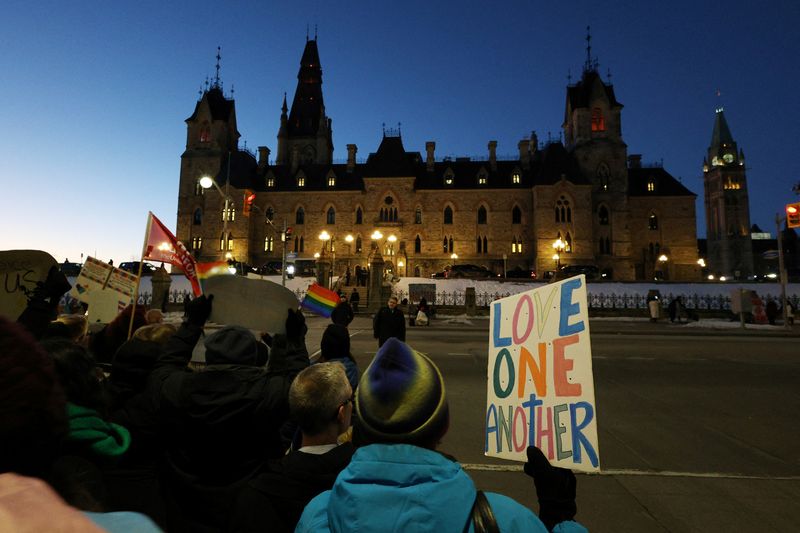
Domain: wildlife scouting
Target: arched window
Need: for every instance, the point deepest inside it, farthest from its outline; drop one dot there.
(603, 174)
(198, 189)
(598, 121)
(222, 241)
(478, 247)
(451, 244)
(230, 242)
(197, 243)
(563, 210)
(418, 216)
(417, 245)
(269, 214)
(358, 245)
(448, 215)
(302, 244)
(485, 245)
(296, 244)
(359, 216)
(444, 245)
(481, 215)
(197, 219)
(331, 217)
(605, 246)
(382, 215)
(516, 215)
(652, 221)
(268, 244)
(300, 216)
(568, 243)
(602, 215)
(394, 214)
(228, 212)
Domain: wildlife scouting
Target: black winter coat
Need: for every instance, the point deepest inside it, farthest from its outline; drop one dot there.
(220, 425)
(389, 323)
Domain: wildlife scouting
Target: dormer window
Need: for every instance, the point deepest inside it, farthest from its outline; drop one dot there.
(482, 177)
(270, 182)
(516, 177)
(449, 178)
(301, 181)
(331, 181)
(651, 185)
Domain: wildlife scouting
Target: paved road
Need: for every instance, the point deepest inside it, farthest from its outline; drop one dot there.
(697, 429)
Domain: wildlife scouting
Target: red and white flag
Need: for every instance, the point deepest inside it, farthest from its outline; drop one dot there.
(161, 245)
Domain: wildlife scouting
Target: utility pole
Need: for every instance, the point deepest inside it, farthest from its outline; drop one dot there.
(283, 257)
(782, 268)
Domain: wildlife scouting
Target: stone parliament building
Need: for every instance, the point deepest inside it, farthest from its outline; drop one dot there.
(631, 221)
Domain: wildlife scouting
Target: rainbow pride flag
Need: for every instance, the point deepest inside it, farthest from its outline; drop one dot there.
(215, 268)
(320, 300)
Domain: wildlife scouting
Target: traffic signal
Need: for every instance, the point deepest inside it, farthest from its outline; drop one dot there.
(793, 215)
(288, 233)
(249, 198)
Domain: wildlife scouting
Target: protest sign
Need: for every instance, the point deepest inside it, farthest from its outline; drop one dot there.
(107, 289)
(540, 389)
(252, 303)
(20, 270)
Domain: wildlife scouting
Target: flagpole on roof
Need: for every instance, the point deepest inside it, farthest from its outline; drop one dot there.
(139, 274)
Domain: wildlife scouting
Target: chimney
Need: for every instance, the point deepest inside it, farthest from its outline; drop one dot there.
(430, 146)
(524, 153)
(263, 157)
(295, 158)
(635, 161)
(534, 142)
(493, 155)
(351, 157)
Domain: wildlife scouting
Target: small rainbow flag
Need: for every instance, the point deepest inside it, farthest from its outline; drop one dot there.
(320, 300)
(215, 268)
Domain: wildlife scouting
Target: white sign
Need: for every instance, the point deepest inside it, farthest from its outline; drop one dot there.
(540, 389)
(107, 289)
(20, 270)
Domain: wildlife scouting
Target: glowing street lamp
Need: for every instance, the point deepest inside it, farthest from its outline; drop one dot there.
(454, 256)
(559, 246)
(207, 182)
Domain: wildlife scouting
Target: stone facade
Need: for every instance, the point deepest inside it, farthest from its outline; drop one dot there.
(494, 213)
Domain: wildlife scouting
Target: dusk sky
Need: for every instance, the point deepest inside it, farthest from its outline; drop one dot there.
(95, 93)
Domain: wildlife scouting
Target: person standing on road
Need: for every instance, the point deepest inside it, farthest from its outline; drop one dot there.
(389, 322)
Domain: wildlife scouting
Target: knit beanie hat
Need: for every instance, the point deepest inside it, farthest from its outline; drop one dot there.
(401, 398)
(335, 343)
(232, 345)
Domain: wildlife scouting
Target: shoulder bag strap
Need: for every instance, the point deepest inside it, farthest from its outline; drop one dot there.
(483, 520)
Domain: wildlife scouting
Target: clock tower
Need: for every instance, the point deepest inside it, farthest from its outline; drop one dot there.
(727, 206)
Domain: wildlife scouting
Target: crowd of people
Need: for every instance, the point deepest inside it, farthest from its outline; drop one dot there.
(260, 439)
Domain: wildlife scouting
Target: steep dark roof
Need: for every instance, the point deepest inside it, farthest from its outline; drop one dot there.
(220, 106)
(722, 133)
(392, 160)
(579, 95)
(243, 169)
(553, 162)
(307, 106)
(665, 184)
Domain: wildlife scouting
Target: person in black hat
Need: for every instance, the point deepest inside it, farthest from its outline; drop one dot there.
(397, 480)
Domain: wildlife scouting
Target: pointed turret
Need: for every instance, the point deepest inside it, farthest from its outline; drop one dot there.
(307, 128)
(723, 149)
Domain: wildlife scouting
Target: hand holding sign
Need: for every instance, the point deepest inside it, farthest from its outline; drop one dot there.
(555, 488)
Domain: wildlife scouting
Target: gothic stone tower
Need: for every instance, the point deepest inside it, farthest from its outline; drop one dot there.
(305, 135)
(730, 250)
(593, 134)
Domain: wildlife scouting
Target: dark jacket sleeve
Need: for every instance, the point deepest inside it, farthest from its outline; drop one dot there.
(177, 352)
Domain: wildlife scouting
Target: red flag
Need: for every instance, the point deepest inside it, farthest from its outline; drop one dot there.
(162, 245)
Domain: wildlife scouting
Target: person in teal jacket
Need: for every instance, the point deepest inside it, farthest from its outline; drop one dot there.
(397, 481)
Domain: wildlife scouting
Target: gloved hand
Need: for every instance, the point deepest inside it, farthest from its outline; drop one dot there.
(50, 290)
(198, 310)
(295, 325)
(555, 488)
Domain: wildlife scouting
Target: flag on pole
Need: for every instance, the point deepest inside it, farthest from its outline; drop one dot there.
(214, 268)
(161, 245)
(320, 300)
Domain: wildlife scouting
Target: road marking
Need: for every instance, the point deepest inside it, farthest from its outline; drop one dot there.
(477, 467)
(453, 353)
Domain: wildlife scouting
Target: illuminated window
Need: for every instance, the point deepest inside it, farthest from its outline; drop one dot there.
(268, 244)
(651, 185)
(731, 184)
(418, 216)
(568, 243)
(448, 177)
(228, 212)
(652, 221)
(481, 180)
(448, 215)
(598, 121)
(515, 177)
(516, 246)
(301, 181)
(230, 242)
(222, 242)
(270, 182)
(331, 181)
(197, 243)
(198, 189)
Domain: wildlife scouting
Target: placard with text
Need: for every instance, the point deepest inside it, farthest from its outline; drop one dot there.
(540, 387)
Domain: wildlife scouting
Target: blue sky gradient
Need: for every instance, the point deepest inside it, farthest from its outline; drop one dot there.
(95, 94)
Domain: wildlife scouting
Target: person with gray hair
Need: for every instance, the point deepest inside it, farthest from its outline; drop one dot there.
(321, 403)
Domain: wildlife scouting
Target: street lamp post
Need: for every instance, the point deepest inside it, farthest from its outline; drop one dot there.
(454, 256)
(662, 261)
(391, 239)
(559, 246)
